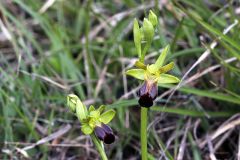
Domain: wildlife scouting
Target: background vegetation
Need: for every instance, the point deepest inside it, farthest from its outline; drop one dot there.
(49, 49)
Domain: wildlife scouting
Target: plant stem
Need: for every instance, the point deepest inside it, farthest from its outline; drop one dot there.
(144, 121)
(99, 147)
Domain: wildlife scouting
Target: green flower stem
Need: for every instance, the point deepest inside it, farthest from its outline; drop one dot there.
(144, 121)
(99, 147)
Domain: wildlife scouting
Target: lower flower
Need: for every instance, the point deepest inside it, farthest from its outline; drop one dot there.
(104, 133)
(147, 94)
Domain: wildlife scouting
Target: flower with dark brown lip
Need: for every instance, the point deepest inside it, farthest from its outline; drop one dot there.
(147, 93)
(152, 75)
(93, 121)
(104, 133)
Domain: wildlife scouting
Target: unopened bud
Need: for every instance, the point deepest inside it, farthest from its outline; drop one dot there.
(148, 30)
(72, 102)
(153, 18)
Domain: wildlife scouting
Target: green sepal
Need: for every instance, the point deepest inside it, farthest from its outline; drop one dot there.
(91, 108)
(162, 56)
(94, 114)
(137, 37)
(136, 73)
(166, 68)
(107, 116)
(81, 110)
(86, 129)
(167, 78)
(101, 108)
(152, 18)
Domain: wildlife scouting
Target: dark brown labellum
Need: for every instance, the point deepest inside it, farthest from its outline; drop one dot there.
(104, 133)
(147, 94)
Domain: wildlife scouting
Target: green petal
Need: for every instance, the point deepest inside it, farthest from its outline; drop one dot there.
(91, 108)
(101, 108)
(94, 114)
(166, 68)
(137, 37)
(167, 78)
(81, 110)
(107, 116)
(136, 73)
(152, 68)
(86, 129)
(162, 57)
(140, 65)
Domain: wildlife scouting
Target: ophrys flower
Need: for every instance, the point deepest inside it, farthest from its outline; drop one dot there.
(93, 120)
(152, 75)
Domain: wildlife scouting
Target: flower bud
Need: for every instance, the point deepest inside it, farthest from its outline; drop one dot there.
(147, 94)
(104, 133)
(152, 18)
(137, 37)
(76, 106)
(72, 102)
(148, 30)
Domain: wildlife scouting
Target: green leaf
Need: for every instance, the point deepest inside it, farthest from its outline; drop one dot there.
(220, 34)
(152, 18)
(107, 116)
(210, 28)
(81, 110)
(167, 78)
(91, 108)
(160, 61)
(211, 94)
(86, 129)
(189, 112)
(137, 37)
(166, 68)
(123, 103)
(136, 73)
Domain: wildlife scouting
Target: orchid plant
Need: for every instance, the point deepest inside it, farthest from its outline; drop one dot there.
(152, 74)
(93, 122)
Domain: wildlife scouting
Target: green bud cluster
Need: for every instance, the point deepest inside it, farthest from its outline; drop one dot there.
(143, 36)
